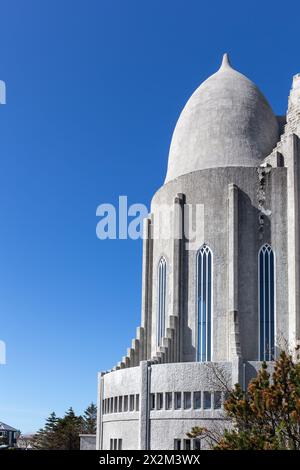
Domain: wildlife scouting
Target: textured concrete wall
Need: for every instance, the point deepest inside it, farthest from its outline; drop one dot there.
(127, 430)
(261, 217)
(87, 442)
(121, 382)
(163, 426)
(181, 377)
(186, 376)
(163, 432)
(124, 425)
(210, 188)
(167, 425)
(161, 248)
(250, 370)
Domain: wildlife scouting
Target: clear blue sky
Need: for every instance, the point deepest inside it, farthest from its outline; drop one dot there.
(94, 89)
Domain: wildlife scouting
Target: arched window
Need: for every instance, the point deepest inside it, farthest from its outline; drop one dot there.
(204, 303)
(161, 309)
(266, 287)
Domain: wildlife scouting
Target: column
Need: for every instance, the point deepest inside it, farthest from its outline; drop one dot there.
(147, 288)
(232, 323)
(177, 299)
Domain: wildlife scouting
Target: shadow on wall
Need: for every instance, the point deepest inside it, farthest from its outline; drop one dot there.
(248, 249)
(189, 351)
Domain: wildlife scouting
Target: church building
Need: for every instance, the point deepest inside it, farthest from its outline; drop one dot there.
(216, 308)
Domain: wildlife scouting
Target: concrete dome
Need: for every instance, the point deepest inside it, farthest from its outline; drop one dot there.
(226, 122)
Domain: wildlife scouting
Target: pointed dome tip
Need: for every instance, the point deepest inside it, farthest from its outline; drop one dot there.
(225, 62)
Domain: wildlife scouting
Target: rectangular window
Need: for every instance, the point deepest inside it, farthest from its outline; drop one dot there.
(177, 444)
(119, 444)
(111, 405)
(120, 404)
(116, 405)
(159, 401)
(217, 400)
(137, 403)
(187, 400)
(168, 398)
(187, 444)
(126, 403)
(197, 444)
(197, 400)
(131, 403)
(152, 401)
(207, 400)
(115, 444)
(177, 400)
(111, 446)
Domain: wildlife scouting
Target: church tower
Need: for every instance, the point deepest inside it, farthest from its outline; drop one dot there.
(220, 279)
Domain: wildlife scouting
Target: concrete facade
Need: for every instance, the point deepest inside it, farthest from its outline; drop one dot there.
(241, 189)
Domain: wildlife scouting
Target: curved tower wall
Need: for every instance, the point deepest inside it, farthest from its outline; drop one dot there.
(243, 209)
(231, 200)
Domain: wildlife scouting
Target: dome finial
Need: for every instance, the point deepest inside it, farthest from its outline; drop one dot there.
(225, 62)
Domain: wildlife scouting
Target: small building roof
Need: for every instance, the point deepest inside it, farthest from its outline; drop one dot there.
(6, 427)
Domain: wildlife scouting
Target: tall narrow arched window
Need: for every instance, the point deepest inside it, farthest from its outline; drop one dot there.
(204, 303)
(161, 308)
(266, 286)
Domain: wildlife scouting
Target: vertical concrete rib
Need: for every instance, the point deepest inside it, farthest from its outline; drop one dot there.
(144, 421)
(99, 432)
(177, 298)
(293, 179)
(232, 323)
(147, 289)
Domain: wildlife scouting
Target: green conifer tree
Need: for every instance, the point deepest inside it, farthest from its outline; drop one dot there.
(90, 419)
